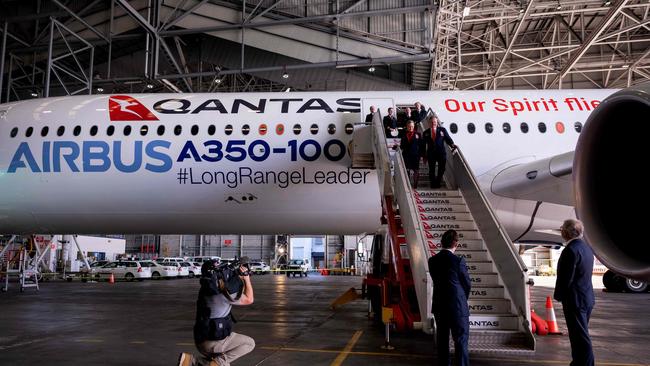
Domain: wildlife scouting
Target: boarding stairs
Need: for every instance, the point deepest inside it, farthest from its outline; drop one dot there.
(499, 301)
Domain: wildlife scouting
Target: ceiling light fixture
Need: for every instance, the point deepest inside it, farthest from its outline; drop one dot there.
(371, 69)
(100, 89)
(149, 86)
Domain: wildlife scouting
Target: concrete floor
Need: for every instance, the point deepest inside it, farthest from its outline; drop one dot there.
(149, 323)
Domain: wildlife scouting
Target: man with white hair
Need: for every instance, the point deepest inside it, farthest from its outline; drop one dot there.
(573, 288)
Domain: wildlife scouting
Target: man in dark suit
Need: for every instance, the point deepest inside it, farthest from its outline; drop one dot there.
(434, 140)
(451, 286)
(573, 288)
(369, 116)
(390, 124)
(410, 145)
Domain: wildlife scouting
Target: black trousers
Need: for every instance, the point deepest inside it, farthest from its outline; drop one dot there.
(459, 327)
(435, 177)
(577, 321)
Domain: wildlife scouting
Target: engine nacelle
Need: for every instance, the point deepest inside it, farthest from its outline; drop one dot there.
(611, 197)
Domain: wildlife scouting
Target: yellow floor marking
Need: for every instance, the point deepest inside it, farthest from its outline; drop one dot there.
(90, 340)
(361, 353)
(138, 342)
(348, 347)
(412, 355)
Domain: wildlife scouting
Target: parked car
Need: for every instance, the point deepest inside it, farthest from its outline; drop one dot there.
(164, 270)
(259, 268)
(298, 266)
(204, 258)
(128, 270)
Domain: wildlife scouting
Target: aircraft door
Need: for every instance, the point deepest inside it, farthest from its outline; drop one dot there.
(361, 148)
(381, 105)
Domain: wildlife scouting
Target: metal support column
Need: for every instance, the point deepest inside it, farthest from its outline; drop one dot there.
(2, 55)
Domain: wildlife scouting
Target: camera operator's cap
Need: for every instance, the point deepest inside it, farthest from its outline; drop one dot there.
(244, 260)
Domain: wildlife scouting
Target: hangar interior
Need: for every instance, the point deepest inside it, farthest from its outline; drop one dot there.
(58, 48)
(62, 47)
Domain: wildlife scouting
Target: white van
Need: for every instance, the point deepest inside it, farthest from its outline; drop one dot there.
(204, 258)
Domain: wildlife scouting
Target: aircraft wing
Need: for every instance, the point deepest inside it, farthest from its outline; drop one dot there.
(547, 180)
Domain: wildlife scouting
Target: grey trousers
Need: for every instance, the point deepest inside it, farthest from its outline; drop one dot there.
(228, 349)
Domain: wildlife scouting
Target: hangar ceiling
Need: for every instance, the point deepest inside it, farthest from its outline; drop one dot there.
(60, 47)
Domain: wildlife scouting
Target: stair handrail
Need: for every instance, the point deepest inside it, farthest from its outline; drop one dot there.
(415, 240)
(382, 159)
(510, 265)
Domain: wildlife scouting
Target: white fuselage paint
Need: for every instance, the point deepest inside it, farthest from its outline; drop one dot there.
(284, 192)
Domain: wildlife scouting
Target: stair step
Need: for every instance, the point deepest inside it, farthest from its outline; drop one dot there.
(424, 193)
(480, 267)
(457, 216)
(446, 225)
(489, 279)
(462, 234)
(464, 245)
(444, 201)
(441, 208)
(494, 322)
(472, 256)
(499, 342)
(486, 292)
(489, 306)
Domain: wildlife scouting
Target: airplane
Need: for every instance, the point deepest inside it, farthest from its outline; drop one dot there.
(260, 163)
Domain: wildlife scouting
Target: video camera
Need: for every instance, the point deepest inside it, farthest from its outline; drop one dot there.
(224, 277)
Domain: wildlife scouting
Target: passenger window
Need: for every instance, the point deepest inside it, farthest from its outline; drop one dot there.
(349, 128)
(144, 130)
(245, 129)
(127, 130)
(279, 129)
(524, 127)
(76, 131)
(542, 127)
(161, 130)
(44, 131)
(559, 127)
(331, 129)
(489, 127)
(60, 131)
(93, 131)
(471, 128)
(577, 126)
(453, 128)
(195, 130)
(14, 132)
(29, 132)
(178, 130)
(297, 129)
(262, 129)
(506, 127)
(211, 130)
(110, 130)
(228, 130)
(313, 129)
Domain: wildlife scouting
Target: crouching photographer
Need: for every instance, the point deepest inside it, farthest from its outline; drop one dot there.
(222, 286)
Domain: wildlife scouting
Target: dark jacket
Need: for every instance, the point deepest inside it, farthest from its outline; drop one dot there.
(436, 147)
(389, 123)
(411, 150)
(418, 116)
(574, 271)
(451, 284)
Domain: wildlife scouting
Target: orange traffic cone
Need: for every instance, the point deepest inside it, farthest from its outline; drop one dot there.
(111, 279)
(550, 317)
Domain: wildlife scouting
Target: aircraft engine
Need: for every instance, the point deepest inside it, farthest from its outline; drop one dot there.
(611, 190)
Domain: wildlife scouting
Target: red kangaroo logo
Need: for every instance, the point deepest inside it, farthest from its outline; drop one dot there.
(126, 108)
